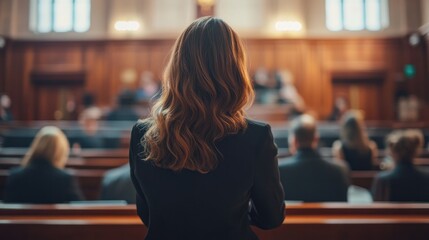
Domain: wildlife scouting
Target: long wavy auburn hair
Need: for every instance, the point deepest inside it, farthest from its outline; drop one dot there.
(352, 132)
(206, 88)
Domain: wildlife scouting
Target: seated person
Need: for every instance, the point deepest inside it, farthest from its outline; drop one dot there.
(117, 185)
(354, 147)
(306, 176)
(125, 110)
(405, 183)
(88, 135)
(288, 94)
(341, 106)
(149, 88)
(41, 178)
(5, 113)
(88, 101)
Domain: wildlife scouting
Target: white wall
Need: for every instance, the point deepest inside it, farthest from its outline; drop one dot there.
(20, 18)
(414, 15)
(159, 18)
(5, 16)
(251, 18)
(245, 16)
(425, 11)
(316, 27)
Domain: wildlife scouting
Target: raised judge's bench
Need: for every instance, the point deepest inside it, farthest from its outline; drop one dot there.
(332, 221)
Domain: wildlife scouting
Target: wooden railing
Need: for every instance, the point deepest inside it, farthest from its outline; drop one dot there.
(303, 221)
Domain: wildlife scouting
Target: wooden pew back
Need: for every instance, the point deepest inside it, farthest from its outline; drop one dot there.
(303, 221)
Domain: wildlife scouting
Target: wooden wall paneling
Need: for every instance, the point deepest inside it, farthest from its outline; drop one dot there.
(122, 58)
(28, 95)
(355, 57)
(393, 56)
(364, 96)
(260, 53)
(425, 110)
(159, 55)
(96, 67)
(288, 56)
(3, 58)
(61, 61)
(312, 62)
(316, 88)
(425, 84)
(14, 77)
(58, 56)
(371, 100)
(143, 62)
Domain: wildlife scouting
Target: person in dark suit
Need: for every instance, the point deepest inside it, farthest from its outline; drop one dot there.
(117, 185)
(5, 113)
(306, 176)
(406, 182)
(89, 134)
(200, 168)
(41, 178)
(125, 110)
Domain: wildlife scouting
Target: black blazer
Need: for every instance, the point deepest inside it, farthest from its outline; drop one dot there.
(309, 178)
(357, 160)
(244, 189)
(405, 183)
(40, 182)
(117, 185)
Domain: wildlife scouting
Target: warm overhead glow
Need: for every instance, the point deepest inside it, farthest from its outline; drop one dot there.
(127, 25)
(288, 26)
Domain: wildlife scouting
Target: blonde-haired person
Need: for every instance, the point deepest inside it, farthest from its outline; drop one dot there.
(405, 183)
(41, 179)
(200, 168)
(354, 148)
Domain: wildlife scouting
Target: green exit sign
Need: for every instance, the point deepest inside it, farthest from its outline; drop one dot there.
(409, 71)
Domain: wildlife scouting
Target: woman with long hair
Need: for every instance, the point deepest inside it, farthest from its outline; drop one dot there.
(200, 168)
(354, 147)
(41, 179)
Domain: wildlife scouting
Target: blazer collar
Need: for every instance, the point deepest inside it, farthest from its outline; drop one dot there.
(307, 153)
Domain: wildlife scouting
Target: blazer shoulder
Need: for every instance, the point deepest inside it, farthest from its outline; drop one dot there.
(15, 174)
(287, 162)
(384, 176)
(256, 124)
(64, 175)
(141, 125)
(139, 129)
(257, 128)
(15, 171)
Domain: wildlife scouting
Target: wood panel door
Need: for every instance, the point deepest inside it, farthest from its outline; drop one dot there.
(57, 102)
(364, 95)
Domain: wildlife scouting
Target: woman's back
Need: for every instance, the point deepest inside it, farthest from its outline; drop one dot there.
(40, 182)
(405, 183)
(191, 205)
(197, 164)
(354, 146)
(357, 159)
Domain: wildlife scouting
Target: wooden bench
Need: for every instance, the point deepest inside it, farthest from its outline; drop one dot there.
(89, 182)
(303, 221)
(86, 153)
(74, 163)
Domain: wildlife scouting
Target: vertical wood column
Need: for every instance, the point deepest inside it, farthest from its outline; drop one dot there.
(205, 8)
